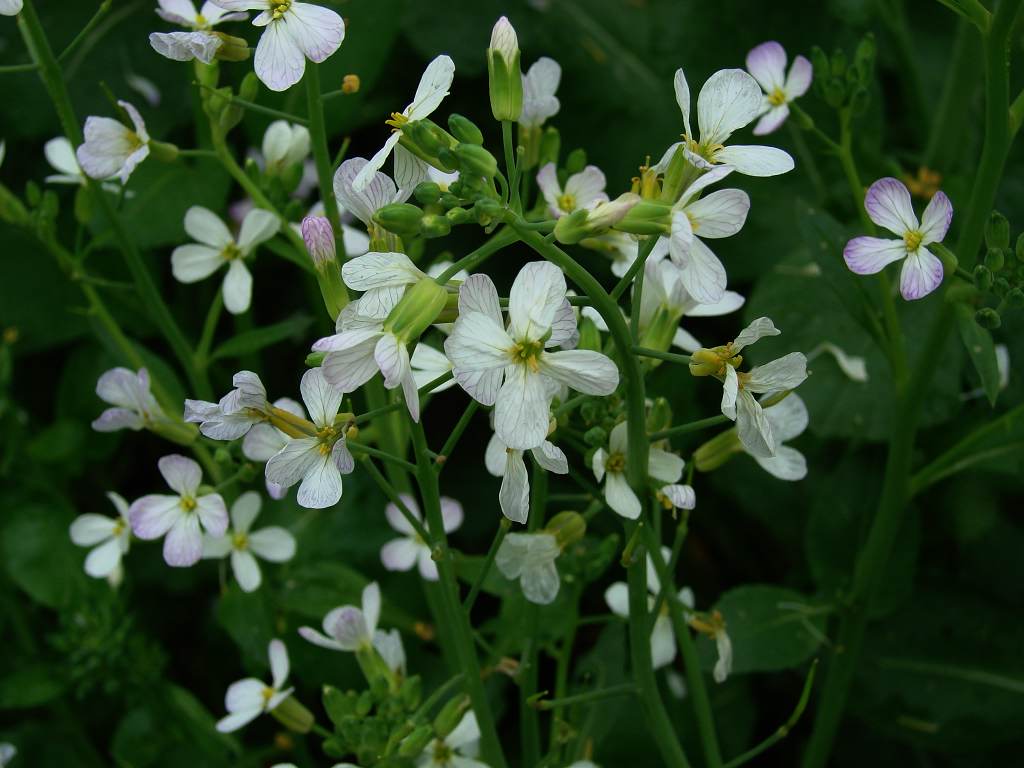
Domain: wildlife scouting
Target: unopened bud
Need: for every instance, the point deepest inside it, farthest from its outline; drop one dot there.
(585, 223)
(350, 84)
(231, 48)
(476, 161)
(433, 225)
(647, 217)
(705, 362)
(427, 192)
(505, 81)
(567, 528)
(988, 318)
(319, 238)
(983, 277)
(417, 741)
(1015, 298)
(163, 151)
(595, 437)
(293, 716)
(315, 359)
(450, 716)
(716, 451)
(411, 692)
(403, 219)
(997, 231)
(660, 415)
(464, 129)
(994, 259)
(338, 704)
(250, 87)
(417, 310)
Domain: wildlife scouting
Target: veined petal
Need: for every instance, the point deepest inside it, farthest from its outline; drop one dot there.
(379, 190)
(752, 426)
(367, 172)
(180, 473)
(788, 417)
(316, 30)
(494, 456)
(728, 101)
(321, 398)
(703, 274)
(321, 486)
(409, 169)
(887, 202)
(936, 219)
(514, 496)
(664, 466)
(153, 515)
(620, 496)
(758, 329)
(289, 465)
(922, 273)
(730, 391)
(682, 91)
(212, 513)
(536, 296)
(771, 120)
(755, 160)
(767, 64)
(246, 570)
(521, 410)
(279, 61)
(564, 332)
(395, 517)
(720, 214)
(681, 496)
(867, 255)
(273, 543)
(551, 458)
(478, 346)
(380, 270)
(787, 463)
(591, 373)
(730, 302)
(540, 583)
(183, 544)
(478, 294)
(350, 368)
(434, 84)
(393, 360)
(788, 372)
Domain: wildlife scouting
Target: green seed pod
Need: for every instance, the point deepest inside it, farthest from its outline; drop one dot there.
(417, 741)
(450, 716)
(987, 318)
(459, 216)
(576, 161)
(364, 704)
(567, 528)
(994, 258)
(250, 87)
(997, 231)
(427, 193)
(411, 692)
(465, 130)
(403, 219)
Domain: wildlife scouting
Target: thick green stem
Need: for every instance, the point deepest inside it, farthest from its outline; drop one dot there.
(321, 154)
(456, 619)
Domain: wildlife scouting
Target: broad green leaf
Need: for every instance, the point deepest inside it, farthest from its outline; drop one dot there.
(258, 338)
(31, 686)
(38, 552)
(771, 628)
(246, 618)
(978, 343)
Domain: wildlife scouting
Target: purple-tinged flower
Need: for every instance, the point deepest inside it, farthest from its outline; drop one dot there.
(767, 64)
(888, 204)
(319, 239)
(134, 405)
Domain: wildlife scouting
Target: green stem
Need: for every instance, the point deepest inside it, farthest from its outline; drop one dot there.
(511, 168)
(376, 453)
(562, 665)
(643, 251)
(950, 121)
(693, 426)
(611, 692)
(321, 154)
(499, 536)
(669, 357)
(456, 434)
(395, 498)
(202, 357)
(252, 107)
(86, 30)
(456, 619)
(529, 724)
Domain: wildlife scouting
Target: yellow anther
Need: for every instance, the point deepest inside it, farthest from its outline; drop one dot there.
(281, 8)
(350, 84)
(397, 120)
(240, 540)
(777, 97)
(188, 503)
(913, 239)
(615, 463)
(567, 202)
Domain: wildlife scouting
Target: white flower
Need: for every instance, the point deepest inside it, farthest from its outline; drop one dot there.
(348, 628)
(274, 543)
(403, 553)
(665, 298)
(264, 440)
(317, 461)
(389, 646)
(111, 148)
(364, 202)
(512, 369)
(284, 145)
(179, 516)
(663, 636)
(611, 465)
(507, 463)
(110, 538)
(186, 46)
(530, 558)
(443, 179)
(788, 419)
(583, 190)
(457, 749)
(216, 247)
(61, 155)
(434, 84)
(293, 32)
(738, 403)
(729, 100)
(8, 751)
(888, 204)
(429, 364)
(383, 278)
(134, 405)
(9, 8)
(767, 63)
(236, 412)
(183, 13)
(720, 214)
(249, 698)
(539, 85)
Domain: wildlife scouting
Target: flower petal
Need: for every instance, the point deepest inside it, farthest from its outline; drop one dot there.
(729, 100)
(514, 496)
(246, 570)
(257, 227)
(183, 545)
(767, 64)
(720, 214)
(586, 371)
(617, 599)
(180, 473)
(521, 410)
(380, 270)
(279, 61)
(212, 513)
(620, 496)
(433, 87)
(289, 465)
(752, 426)
(399, 554)
(104, 559)
(379, 190)
(788, 372)
(237, 288)
(536, 296)
(799, 78)
(771, 120)
(787, 463)
(936, 219)
(244, 511)
(90, 529)
(321, 486)
(664, 466)
(192, 263)
(922, 273)
(682, 91)
(153, 515)
(316, 30)
(788, 417)
(868, 255)
(887, 202)
(206, 227)
(756, 160)
(273, 543)
(321, 398)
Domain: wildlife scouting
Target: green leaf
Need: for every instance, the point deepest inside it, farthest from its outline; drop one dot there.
(258, 338)
(978, 343)
(38, 553)
(771, 628)
(246, 617)
(31, 687)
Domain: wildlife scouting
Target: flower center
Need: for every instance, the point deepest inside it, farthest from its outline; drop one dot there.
(240, 541)
(231, 252)
(119, 527)
(327, 437)
(528, 353)
(279, 8)
(397, 120)
(616, 463)
(187, 503)
(913, 239)
(693, 222)
(567, 202)
(777, 97)
(442, 753)
(200, 22)
(267, 693)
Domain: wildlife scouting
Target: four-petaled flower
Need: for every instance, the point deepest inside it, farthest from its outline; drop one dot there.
(249, 698)
(767, 64)
(610, 466)
(888, 204)
(237, 411)
(293, 32)
(583, 190)
(507, 463)
(111, 148)
(457, 749)
(109, 537)
(539, 85)
(348, 628)
(403, 553)
(134, 405)
(513, 368)
(530, 558)
(216, 247)
(179, 516)
(273, 543)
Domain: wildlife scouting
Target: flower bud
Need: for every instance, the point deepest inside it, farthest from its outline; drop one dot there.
(293, 716)
(464, 129)
(232, 48)
(417, 310)
(350, 84)
(427, 192)
(458, 216)
(450, 716)
(716, 451)
(660, 415)
(997, 231)
(994, 259)
(319, 238)
(403, 219)
(411, 692)
(705, 362)
(315, 359)
(647, 217)
(250, 87)
(474, 160)
(584, 223)
(505, 81)
(338, 704)
(1015, 298)
(567, 528)
(430, 143)
(988, 318)
(983, 277)
(590, 336)
(595, 437)
(433, 225)
(417, 741)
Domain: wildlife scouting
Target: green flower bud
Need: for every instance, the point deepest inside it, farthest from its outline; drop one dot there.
(550, 146)
(417, 310)
(429, 142)
(994, 258)
(459, 216)
(983, 277)
(403, 219)
(1000, 285)
(315, 359)
(433, 225)
(464, 129)
(411, 692)
(1015, 298)
(660, 415)
(427, 193)
(450, 716)
(859, 101)
(997, 231)
(838, 63)
(676, 175)
(659, 332)
(820, 64)
(364, 704)
(595, 437)
(163, 151)
(293, 716)
(476, 161)
(1020, 247)
(337, 704)
(585, 223)
(716, 451)
(567, 528)
(250, 87)
(232, 48)
(576, 161)
(417, 741)
(647, 217)
(222, 455)
(505, 81)
(988, 318)
(83, 205)
(590, 336)
(488, 207)
(529, 138)
(449, 199)
(835, 93)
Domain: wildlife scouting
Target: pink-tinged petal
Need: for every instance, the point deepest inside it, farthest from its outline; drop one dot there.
(936, 219)
(888, 204)
(114, 419)
(767, 63)
(799, 79)
(181, 473)
(152, 516)
(399, 554)
(213, 513)
(922, 273)
(868, 255)
(772, 120)
(395, 517)
(183, 545)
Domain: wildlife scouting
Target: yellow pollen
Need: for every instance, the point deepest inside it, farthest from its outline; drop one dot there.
(119, 527)
(187, 503)
(442, 753)
(397, 120)
(200, 21)
(230, 252)
(742, 378)
(567, 202)
(615, 463)
(268, 694)
(777, 98)
(528, 352)
(240, 540)
(279, 8)
(913, 239)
